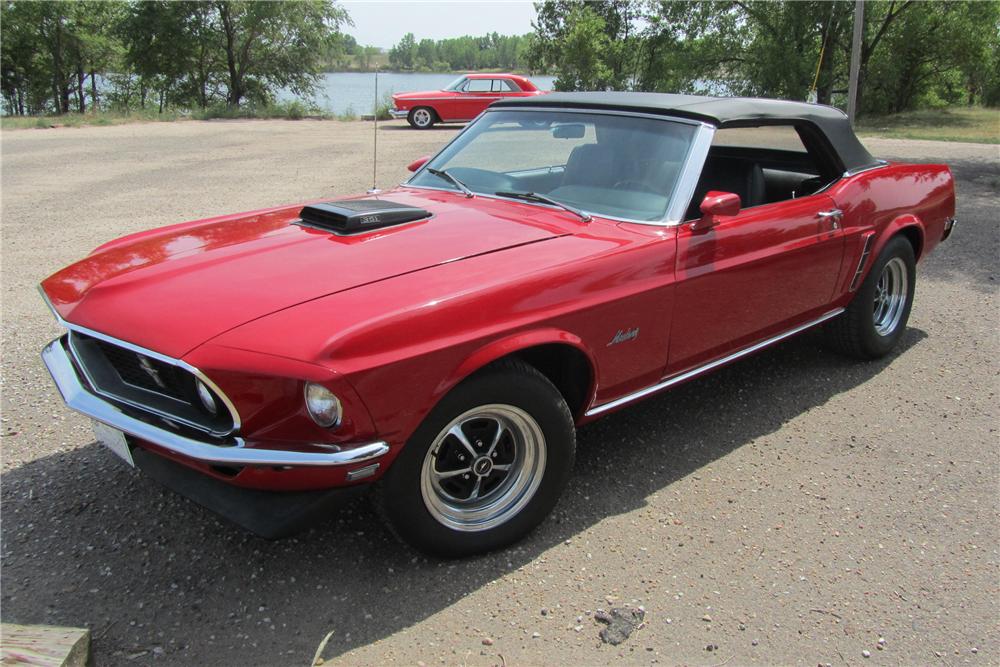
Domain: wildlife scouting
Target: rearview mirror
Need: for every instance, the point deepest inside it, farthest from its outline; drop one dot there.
(418, 163)
(568, 131)
(716, 205)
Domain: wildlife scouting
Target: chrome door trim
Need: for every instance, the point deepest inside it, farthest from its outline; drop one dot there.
(687, 375)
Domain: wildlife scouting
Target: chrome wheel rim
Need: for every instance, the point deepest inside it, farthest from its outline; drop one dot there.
(891, 292)
(483, 467)
(422, 117)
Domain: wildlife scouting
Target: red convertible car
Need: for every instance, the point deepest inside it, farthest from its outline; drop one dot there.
(564, 256)
(464, 99)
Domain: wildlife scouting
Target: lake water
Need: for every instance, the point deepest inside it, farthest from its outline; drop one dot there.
(339, 92)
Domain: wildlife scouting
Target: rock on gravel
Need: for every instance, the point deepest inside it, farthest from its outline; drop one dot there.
(620, 624)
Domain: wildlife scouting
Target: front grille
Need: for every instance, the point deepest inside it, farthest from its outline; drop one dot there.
(156, 387)
(148, 373)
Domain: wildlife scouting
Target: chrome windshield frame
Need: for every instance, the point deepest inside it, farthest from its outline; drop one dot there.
(684, 189)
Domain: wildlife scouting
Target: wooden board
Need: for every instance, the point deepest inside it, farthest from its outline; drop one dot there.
(43, 646)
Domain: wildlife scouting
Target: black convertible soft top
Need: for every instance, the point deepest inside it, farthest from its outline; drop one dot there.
(723, 112)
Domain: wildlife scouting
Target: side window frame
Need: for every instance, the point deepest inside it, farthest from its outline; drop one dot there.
(814, 146)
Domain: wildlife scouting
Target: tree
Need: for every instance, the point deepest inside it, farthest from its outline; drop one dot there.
(403, 53)
(427, 53)
(928, 66)
(275, 44)
(592, 45)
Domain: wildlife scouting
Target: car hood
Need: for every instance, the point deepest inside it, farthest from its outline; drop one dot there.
(421, 94)
(172, 289)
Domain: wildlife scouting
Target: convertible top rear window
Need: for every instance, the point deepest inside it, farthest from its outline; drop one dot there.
(620, 166)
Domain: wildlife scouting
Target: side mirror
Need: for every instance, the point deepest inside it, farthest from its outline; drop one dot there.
(418, 163)
(716, 205)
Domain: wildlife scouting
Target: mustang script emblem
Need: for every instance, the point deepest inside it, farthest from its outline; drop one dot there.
(624, 335)
(151, 371)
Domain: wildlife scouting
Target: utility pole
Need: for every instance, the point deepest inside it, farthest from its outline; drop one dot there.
(852, 86)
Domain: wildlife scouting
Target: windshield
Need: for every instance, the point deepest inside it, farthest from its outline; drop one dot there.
(612, 165)
(456, 84)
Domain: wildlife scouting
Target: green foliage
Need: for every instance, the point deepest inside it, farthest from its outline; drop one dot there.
(489, 52)
(348, 114)
(593, 45)
(914, 54)
(383, 106)
(169, 54)
(975, 124)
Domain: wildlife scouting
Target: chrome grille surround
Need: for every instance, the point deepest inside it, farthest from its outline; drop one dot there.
(92, 353)
(147, 383)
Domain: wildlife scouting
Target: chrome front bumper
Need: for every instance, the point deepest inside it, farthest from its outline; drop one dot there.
(396, 113)
(79, 398)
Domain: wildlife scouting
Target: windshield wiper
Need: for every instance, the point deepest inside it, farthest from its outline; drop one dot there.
(443, 173)
(534, 196)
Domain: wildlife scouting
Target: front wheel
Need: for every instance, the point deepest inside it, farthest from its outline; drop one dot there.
(421, 118)
(486, 466)
(876, 318)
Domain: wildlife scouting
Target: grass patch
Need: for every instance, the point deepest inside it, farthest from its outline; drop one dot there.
(974, 124)
(293, 110)
(92, 118)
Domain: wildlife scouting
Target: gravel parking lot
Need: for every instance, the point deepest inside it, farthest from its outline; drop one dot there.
(796, 507)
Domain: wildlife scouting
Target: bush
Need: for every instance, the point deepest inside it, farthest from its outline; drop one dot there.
(383, 106)
(348, 114)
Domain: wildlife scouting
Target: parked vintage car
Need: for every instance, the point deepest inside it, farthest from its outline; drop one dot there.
(561, 258)
(465, 98)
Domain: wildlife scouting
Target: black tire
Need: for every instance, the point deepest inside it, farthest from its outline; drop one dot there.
(412, 503)
(855, 332)
(422, 118)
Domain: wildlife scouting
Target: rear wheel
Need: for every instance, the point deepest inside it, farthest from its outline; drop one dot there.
(876, 318)
(485, 467)
(422, 118)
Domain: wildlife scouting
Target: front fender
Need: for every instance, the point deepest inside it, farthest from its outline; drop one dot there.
(518, 342)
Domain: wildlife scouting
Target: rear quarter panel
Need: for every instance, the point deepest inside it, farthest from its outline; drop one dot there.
(886, 200)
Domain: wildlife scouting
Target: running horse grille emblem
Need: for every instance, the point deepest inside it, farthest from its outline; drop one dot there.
(151, 371)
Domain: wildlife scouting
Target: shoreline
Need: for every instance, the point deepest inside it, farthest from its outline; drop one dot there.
(958, 134)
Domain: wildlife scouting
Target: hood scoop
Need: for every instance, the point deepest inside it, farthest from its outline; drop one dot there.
(355, 216)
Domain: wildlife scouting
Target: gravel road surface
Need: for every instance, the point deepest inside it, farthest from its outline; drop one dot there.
(795, 508)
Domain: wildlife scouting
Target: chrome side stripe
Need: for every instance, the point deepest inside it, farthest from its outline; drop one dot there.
(687, 375)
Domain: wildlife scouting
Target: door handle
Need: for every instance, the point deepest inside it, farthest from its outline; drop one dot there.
(833, 215)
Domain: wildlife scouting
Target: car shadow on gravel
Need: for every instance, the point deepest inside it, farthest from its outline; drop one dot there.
(89, 542)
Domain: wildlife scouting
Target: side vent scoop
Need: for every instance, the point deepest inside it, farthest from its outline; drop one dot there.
(355, 216)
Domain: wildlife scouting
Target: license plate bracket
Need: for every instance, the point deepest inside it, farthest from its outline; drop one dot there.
(114, 440)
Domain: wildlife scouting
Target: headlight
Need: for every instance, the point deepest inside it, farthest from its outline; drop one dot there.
(323, 405)
(207, 399)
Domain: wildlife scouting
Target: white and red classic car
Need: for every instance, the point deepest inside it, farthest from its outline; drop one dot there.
(462, 100)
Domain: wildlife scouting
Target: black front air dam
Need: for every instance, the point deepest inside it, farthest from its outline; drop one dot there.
(270, 514)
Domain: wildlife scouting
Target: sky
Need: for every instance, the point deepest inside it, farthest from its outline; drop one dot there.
(383, 23)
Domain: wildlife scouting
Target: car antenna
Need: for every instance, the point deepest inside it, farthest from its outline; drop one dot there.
(375, 190)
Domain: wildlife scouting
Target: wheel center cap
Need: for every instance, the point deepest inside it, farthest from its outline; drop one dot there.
(483, 466)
